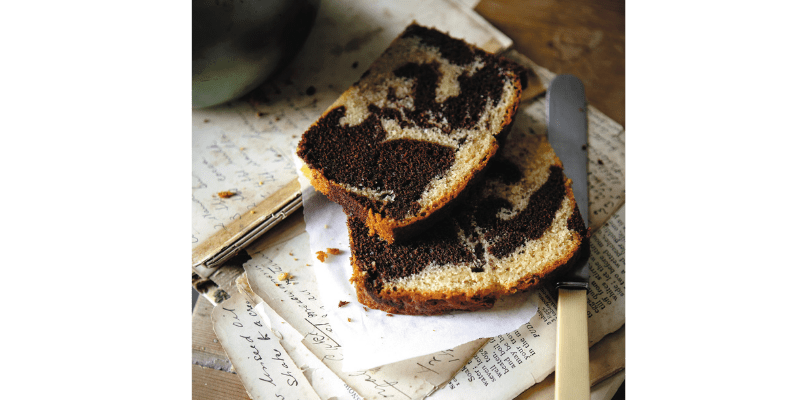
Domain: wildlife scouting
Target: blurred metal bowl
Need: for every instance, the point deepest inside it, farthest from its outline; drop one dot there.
(238, 44)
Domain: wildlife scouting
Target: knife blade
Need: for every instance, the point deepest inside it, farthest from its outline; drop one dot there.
(567, 134)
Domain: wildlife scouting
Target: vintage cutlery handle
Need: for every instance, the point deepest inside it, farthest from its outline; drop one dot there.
(572, 355)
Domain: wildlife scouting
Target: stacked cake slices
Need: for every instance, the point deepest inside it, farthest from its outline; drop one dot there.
(442, 214)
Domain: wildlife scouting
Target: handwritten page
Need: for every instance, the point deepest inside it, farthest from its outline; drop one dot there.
(243, 148)
(296, 301)
(510, 363)
(265, 368)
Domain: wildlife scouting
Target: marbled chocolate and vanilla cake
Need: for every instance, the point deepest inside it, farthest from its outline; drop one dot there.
(521, 227)
(401, 144)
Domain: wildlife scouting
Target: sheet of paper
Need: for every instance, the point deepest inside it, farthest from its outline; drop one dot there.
(508, 364)
(266, 370)
(244, 147)
(296, 302)
(371, 338)
(322, 379)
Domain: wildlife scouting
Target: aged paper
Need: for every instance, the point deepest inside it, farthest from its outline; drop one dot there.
(262, 363)
(241, 150)
(279, 273)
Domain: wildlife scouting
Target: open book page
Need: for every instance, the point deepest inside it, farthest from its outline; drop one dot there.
(241, 166)
(265, 368)
(510, 363)
(279, 274)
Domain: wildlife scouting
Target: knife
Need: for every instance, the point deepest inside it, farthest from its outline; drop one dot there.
(567, 134)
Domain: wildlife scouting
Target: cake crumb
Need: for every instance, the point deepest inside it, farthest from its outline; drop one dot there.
(389, 315)
(253, 212)
(333, 251)
(260, 114)
(260, 183)
(348, 320)
(325, 226)
(277, 119)
(599, 161)
(284, 276)
(205, 120)
(343, 303)
(321, 256)
(226, 194)
(365, 308)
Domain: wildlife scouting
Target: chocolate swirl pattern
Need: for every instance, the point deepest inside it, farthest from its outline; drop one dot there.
(405, 141)
(519, 228)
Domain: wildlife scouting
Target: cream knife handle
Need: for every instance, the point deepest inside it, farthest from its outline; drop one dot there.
(572, 360)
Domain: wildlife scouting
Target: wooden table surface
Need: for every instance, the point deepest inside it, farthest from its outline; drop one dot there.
(585, 38)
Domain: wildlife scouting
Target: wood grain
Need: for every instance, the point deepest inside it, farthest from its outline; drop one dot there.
(210, 384)
(585, 38)
(203, 337)
(212, 376)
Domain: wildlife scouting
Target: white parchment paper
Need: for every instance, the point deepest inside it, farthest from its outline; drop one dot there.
(371, 338)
